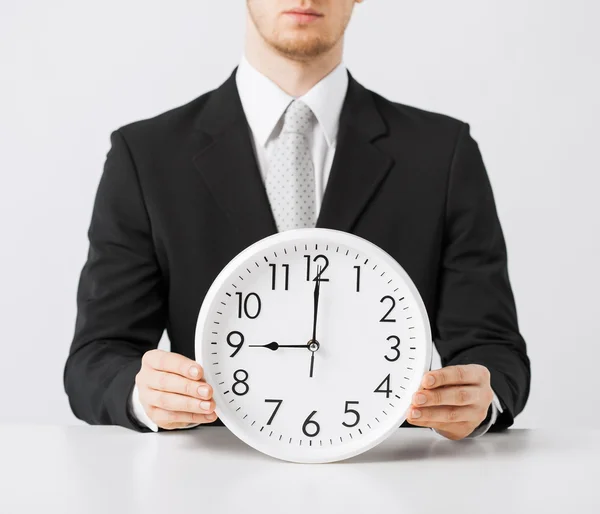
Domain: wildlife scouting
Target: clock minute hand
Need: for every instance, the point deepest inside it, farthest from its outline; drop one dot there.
(316, 296)
(316, 311)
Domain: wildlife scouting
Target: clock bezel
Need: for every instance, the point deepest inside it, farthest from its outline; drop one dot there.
(202, 346)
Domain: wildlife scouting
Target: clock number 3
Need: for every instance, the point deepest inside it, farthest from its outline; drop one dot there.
(395, 348)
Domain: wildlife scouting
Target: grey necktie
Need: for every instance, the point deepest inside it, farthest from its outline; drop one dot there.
(290, 181)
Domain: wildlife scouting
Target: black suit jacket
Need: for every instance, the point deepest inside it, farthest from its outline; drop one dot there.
(181, 194)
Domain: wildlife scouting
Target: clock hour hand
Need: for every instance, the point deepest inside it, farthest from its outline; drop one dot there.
(275, 346)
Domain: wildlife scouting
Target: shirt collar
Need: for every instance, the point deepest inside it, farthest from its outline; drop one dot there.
(264, 102)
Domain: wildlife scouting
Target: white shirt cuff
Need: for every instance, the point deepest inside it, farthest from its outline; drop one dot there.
(137, 410)
(478, 432)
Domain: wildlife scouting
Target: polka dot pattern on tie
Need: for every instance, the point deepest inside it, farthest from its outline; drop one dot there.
(290, 181)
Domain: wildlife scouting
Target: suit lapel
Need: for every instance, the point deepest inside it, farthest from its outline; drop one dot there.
(358, 167)
(227, 162)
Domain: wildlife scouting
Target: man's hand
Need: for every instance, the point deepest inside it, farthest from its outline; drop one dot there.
(453, 400)
(172, 390)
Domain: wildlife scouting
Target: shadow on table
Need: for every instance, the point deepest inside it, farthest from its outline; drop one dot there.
(393, 449)
(435, 448)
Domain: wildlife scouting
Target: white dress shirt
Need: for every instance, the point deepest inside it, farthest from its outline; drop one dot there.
(264, 103)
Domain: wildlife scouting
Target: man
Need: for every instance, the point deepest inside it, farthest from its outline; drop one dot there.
(184, 192)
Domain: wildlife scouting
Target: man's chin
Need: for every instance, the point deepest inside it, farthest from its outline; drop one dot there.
(302, 47)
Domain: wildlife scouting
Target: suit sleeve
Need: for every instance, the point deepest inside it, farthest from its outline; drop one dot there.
(120, 299)
(476, 319)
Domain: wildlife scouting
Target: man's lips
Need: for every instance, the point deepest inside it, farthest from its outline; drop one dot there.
(304, 15)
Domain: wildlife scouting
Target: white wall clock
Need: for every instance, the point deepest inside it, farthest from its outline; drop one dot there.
(313, 392)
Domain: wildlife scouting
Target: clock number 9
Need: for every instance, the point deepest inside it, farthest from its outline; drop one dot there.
(237, 346)
(395, 348)
(242, 381)
(356, 414)
(309, 421)
(243, 305)
(323, 268)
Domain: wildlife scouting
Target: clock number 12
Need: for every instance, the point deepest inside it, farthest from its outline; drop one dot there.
(319, 276)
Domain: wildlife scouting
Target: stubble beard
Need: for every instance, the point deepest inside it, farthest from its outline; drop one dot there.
(300, 48)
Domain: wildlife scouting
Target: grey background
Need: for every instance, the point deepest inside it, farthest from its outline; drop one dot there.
(523, 73)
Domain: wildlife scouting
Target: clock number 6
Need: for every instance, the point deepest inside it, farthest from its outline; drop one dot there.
(356, 414)
(240, 381)
(309, 421)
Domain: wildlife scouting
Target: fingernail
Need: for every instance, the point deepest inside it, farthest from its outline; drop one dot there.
(416, 413)
(430, 380)
(194, 371)
(211, 417)
(205, 405)
(203, 391)
(420, 399)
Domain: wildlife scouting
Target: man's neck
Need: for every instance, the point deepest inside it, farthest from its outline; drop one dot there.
(295, 77)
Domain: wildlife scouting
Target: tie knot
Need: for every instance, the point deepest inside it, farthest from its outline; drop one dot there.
(297, 118)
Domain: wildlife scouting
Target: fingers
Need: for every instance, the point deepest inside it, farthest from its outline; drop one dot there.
(452, 400)
(433, 416)
(173, 419)
(456, 375)
(172, 363)
(171, 383)
(172, 391)
(178, 402)
(175, 426)
(454, 431)
(452, 395)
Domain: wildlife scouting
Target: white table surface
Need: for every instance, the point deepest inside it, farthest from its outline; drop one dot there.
(113, 470)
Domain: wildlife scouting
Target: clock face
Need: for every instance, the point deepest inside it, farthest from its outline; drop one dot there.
(304, 392)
